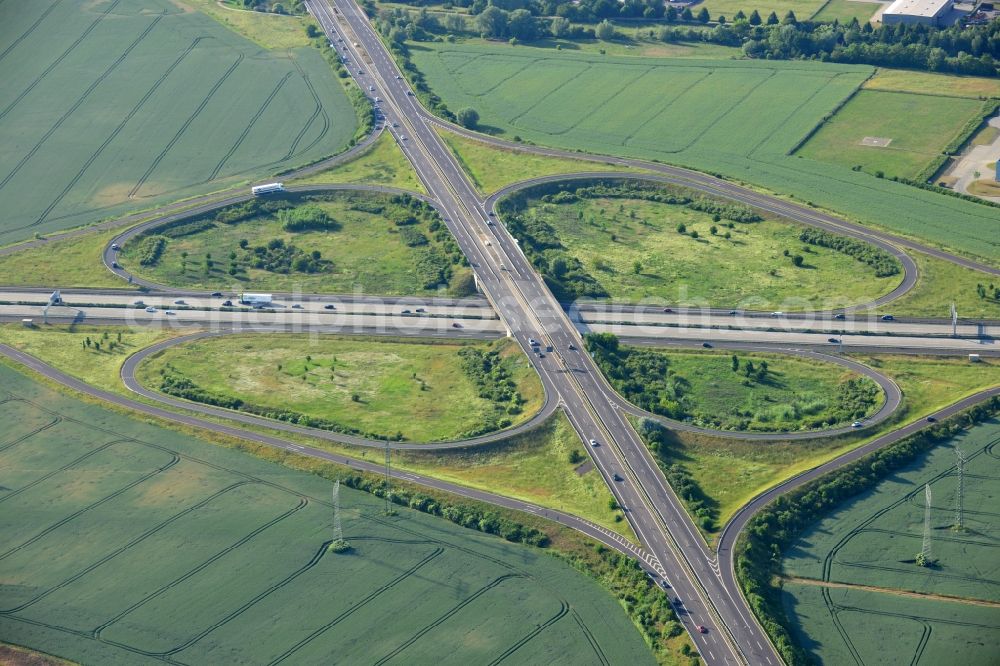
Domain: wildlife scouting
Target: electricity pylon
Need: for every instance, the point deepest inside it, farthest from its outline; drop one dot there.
(960, 496)
(925, 551)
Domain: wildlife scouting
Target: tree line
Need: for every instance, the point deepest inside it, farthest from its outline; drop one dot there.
(883, 262)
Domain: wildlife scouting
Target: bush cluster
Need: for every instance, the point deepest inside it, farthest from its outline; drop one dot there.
(659, 440)
(280, 257)
(307, 218)
(150, 249)
(494, 383)
(884, 263)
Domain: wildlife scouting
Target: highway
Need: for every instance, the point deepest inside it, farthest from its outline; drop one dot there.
(528, 309)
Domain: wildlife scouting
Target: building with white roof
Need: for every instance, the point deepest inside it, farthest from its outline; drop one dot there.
(916, 11)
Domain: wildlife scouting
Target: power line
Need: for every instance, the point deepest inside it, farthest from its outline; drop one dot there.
(960, 496)
(925, 551)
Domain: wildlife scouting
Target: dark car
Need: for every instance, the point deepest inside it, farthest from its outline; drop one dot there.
(216, 293)
(706, 345)
(668, 309)
(931, 419)
(329, 306)
(455, 324)
(114, 264)
(840, 315)
(833, 340)
(887, 318)
(227, 304)
(571, 347)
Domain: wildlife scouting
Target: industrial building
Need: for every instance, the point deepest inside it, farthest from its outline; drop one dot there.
(930, 12)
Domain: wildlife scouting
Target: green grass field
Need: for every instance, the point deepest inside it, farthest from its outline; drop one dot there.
(872, 541)
(383, 164)
(731, 471)
(118, 105)
(942, 283)
(845, 10)
(928, 83)
(918, 128)
(167, 517)
(416, 388)
(714, 115)
(803, 9)
(368, 253)
(749, 269)
(492, 168)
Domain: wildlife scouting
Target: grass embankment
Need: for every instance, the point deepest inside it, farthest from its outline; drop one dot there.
(919, 127)
(382, 164)
(927, 83)
(534, 467)
(269, 523)
(492, 168)
(633, 249)
(942, 283)
(78, 265)
(267, 30)
(731, 471)
(373, 243)
(401, 389)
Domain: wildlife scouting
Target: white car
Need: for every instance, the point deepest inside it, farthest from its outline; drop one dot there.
(150, 309)
(857, 424)
(593, 442)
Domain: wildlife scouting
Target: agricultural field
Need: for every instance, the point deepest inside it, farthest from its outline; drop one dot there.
(729, 472)
(754, 392)
(712, 115)
(631, 249)
(895, 133)
(846, 10)
(367, 242)
(927, 83)
(852, 570)
(405, 389)
(383, 164)
(167, 517)
(118, 105)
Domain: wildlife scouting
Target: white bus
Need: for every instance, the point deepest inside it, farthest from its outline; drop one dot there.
(267, 189)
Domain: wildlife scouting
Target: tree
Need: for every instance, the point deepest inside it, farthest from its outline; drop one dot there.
(605, 31)
(681, 228)
(789, 19)
(397, 35)
(713, 230)
(772, 19)
(278, 8)
(637, 267)
(311, 31)
(703, 16)
(740, 16)
(736, 363)
(522, 25)
(492, 23)
(468, 118)
(559, 27)
(686, 15)
(754, 18)
(797, 260)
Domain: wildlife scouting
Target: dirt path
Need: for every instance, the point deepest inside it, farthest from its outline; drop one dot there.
(887, 590)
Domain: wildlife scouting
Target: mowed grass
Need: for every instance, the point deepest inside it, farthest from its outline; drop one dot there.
(919, 127)
(732, 471)
(747, 270)
(169, 517)
(367, 252)
(383, 164)
(736, 118)
(120, 106)
(79, 264)
(492, 168)
(873, 539)
(845, 10)
(928, 83)
(803, 9)
(270, 31)
(942, 283)
(415, 388)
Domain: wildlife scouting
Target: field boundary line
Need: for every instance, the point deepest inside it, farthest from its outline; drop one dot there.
(553, 91)
(79, 102)
(826, 84)
(317, 111)
(563, 611)
(55, 63)
(184, 126)
(814, 582)
(593, 109)
(663, 109)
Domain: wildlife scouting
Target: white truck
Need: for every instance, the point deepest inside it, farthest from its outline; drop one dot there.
(269, 188)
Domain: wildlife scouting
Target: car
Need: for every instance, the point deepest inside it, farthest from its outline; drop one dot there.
(833, 341)
(378, 99)
(406, 312)
(541, 355)
(571, 347)
(361, 72)
(706, 345)
(779, 313)
(329, 306)
(701, 629)
(489, 223)
(116, 247)
(887, 318)
(395, 124)
(179, 301)
(227, 304)
(617, 477)
(410, 93)
(593, 442)
(371, 88)
(857, 424)
(297, 306)
(402, 137)
(216, 293)
(668, 310)
(139, 304)
(421, 310)
(840, 315)
(931, 419)
(455, 324)
(114, 264)
(169, 312)
(533, 342)
(356, 44)
(733, 312)
(150, 309)
(398, 77)
(548, 348)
